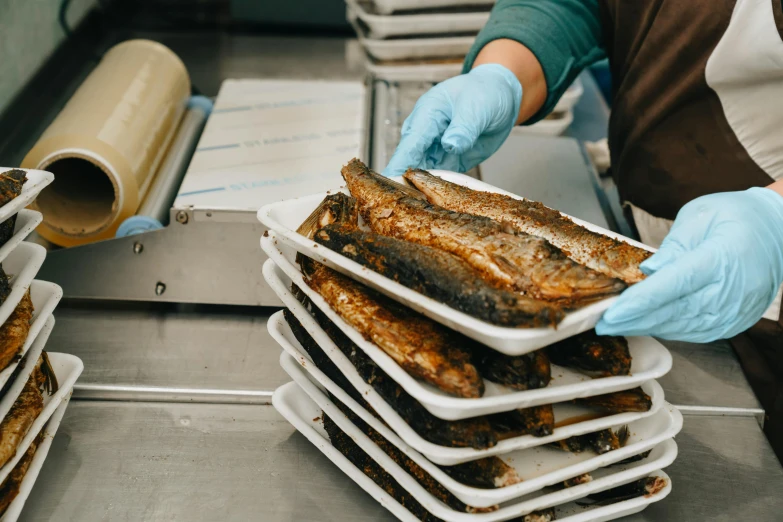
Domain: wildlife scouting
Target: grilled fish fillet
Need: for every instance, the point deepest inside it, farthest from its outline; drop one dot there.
(603, 254)
(589, 352)
(422, 347)
(521, 372)
(600, 442)
(472, 433)
(439, 275)
(20, 418)
(9, 489)
(503, 255)
(647, 487)
(486, 473)
(13, 333)
(538, 421)
(618, 402)
(11, 183)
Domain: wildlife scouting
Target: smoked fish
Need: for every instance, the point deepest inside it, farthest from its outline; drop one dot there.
(618, 402)
(603, 254)
(439, 275)
(13, 333)
(521, 372)
(503, 255)
(591, 353)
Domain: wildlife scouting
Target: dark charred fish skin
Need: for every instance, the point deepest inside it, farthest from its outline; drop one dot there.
(11, 183)
(426, 480)
(346, 445)
(520, 372)
(634, 400)
(599, 442)
(538, 421)
(474, 433)
(422, 347)
(439, 275)
(503, 255)
(321, 360)
(647, 487)
(601, 253)
(487, 473)
(589, 352)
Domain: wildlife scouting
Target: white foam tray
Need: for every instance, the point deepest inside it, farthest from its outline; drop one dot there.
(384, 26)
(26, 222)
(446, 456)
(15, 508)
(21, 265)
(45, 298)
(37, 180)
(414, 72)
(284, 217)
(67, 368)
(537, 467)
(391, 6)
(35, 350)
(571, 96)
(305, 415)
(650, 360)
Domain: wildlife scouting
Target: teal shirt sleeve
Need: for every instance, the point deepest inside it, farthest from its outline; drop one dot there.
(565, 36)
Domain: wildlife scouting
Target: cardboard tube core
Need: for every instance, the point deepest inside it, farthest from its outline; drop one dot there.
(81, 200)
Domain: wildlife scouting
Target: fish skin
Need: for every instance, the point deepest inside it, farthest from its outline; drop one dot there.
(599, 442)
(634, 400)
(603, 254)
(520, 372)
(486, 473)
(538, 421)
(421, 347)
(20, 418)
(440, 276)
(591, 353)
(475, 432)
(503, 255)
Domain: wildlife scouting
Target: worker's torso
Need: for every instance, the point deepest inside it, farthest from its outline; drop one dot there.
(698, 98)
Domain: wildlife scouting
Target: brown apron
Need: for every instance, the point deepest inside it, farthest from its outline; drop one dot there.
(671, 142)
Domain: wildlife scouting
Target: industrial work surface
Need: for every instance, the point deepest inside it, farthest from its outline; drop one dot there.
(125, 461)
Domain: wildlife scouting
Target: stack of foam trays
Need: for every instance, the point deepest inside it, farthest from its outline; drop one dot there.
(36, 384)
(440, 415)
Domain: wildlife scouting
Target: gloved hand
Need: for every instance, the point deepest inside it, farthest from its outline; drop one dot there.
(715, 274)
(460, 122)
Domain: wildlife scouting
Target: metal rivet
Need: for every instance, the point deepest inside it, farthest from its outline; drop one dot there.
(182, 217)
(160, 288)
(138, 248)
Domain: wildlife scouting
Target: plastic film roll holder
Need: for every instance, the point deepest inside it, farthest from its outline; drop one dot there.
(162, 247)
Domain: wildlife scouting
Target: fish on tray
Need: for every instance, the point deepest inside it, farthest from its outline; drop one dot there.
(600, 442)
(538, 421)
(475, 432)
(594, 354)
(646, 487)
(601, 253)
(9, 488)
(503, 255)
(424, 348)
(439, 275)
(634, 400)
(487, 473)
(13, 333)
(520, 372)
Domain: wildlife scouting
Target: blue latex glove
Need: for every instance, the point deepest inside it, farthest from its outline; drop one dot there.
(460, 122)
(715, 274)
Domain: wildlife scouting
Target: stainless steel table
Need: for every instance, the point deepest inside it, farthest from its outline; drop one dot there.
(129, 461)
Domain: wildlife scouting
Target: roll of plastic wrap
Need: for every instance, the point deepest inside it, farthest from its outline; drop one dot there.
(108, 142)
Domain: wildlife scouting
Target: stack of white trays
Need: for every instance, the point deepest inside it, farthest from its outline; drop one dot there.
(542, 468)
(21, 261)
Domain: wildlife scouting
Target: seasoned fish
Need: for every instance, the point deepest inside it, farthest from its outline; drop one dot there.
(543, 515)
(5, 285)
(603, 254)
(11, 183)
(439, 275)
(13, 333)
(538, 421)
(19, 419)
(589, 352)
(521, 372)
(578, 480)
(425, 349)
(503, 255)
(486, 473)
(346, 445)
(647, 487)
(619, 402)
(600, 442)
(472, 433)
(420, 475)
(9, 489)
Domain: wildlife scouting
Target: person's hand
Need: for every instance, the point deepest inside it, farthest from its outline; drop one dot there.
(715, 274)
(460, 122)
